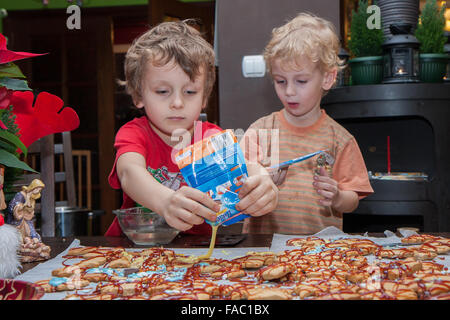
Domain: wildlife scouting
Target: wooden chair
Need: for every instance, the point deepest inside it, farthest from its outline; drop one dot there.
(65, 175)
(83, 184)
(83, 178)
(41, 157)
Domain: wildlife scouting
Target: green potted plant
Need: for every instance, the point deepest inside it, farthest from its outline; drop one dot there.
(430, 33)
(365, 48)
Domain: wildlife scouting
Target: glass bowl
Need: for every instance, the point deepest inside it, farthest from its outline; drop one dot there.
(145, 227)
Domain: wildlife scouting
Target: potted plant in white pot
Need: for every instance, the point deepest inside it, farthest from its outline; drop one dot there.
(430, 33)
(365, 48)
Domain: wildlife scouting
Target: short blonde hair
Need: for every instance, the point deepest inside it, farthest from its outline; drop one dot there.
(163, 43)
(304, 36)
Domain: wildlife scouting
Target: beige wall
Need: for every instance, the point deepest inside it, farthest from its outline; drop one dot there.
(244, 28)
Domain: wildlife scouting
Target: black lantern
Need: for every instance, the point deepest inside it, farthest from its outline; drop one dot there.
(342, 77)
(447, 51)
(401, 55)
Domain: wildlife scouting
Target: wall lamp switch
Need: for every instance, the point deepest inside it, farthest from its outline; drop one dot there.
(253, 66)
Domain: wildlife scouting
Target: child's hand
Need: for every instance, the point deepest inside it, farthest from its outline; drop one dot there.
(326, 187)
(258, 195)
(188, 206)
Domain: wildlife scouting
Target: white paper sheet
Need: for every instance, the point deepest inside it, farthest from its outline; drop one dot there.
(333, 233)
(43, 271)
(329, 233)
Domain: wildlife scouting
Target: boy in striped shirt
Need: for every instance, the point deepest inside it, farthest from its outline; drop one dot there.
(303, 62)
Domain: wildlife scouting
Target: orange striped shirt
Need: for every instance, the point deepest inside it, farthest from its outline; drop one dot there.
(272, 140)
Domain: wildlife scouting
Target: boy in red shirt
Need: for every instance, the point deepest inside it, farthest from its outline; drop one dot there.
(170, 73)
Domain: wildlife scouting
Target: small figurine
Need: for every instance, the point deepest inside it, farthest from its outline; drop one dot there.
(10, 242)
(325, 160)
(20, 213)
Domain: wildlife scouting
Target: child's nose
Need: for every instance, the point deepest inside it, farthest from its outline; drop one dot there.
(177, 102)
(290, 90)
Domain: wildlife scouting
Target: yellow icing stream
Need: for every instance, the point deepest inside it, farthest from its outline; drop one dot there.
(194, 259)
(211, 244)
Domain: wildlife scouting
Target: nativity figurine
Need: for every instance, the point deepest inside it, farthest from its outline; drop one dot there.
(20, 213)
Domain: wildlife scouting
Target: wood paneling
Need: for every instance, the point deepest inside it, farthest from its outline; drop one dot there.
(105, 115)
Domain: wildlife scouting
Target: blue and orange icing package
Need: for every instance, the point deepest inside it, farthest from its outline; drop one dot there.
(216, 166)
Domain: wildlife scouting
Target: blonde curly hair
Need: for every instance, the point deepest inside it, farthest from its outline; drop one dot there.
(307, 36)
(168, 41)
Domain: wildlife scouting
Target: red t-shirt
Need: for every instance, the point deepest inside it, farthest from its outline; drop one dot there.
(138, 136)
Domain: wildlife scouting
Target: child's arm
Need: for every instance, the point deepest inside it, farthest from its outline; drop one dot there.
(258, 195)
(181, 209)
(340, 200)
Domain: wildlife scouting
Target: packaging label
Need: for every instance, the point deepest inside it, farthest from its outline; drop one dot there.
(216, 166)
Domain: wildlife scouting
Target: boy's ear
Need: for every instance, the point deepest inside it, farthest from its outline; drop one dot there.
(138, 103)
(205, 103)
(328, 79)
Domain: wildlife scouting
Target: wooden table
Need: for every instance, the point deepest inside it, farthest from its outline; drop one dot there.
(58, 245)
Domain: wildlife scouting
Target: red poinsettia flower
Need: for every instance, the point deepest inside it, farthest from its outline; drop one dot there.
(5, 97)
(48, 115)
(8, 56)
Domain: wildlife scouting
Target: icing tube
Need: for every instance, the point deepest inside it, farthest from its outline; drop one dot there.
(216, 166)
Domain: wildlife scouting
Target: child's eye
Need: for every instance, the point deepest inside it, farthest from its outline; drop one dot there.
(191, 92)
(279, 81)
(162, 91)
(302, 81)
